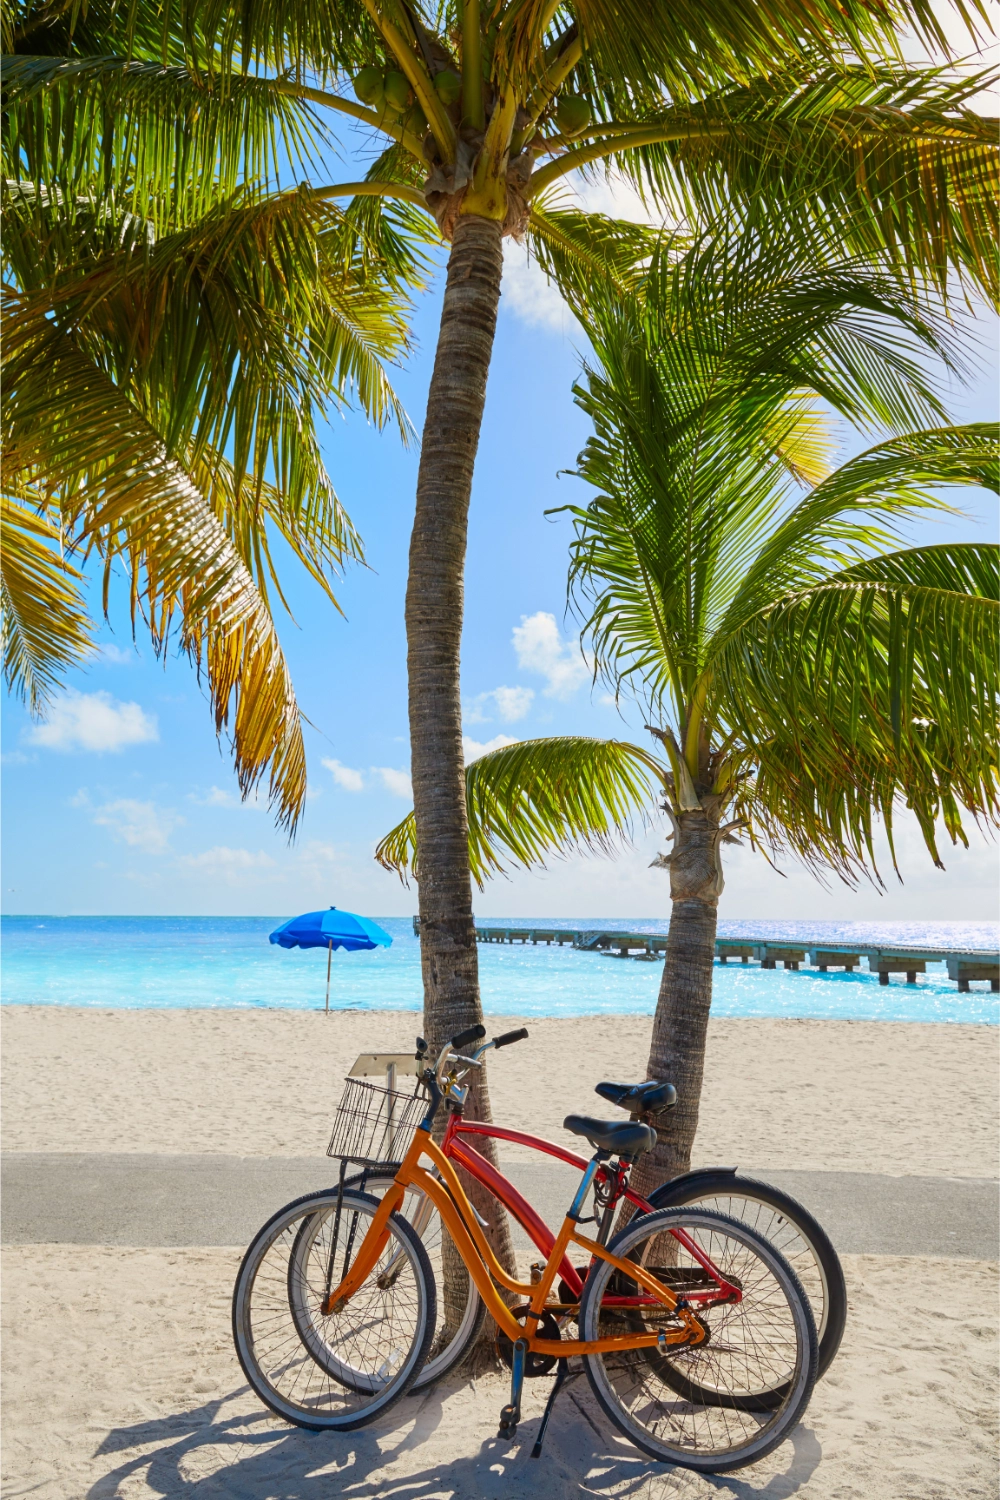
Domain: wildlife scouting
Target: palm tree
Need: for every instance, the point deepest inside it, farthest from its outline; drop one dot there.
(802, 674)
(480, 112)
(162, 377)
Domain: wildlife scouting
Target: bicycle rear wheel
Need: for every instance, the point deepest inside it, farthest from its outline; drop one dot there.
(762, 1344)
(449, 1344)
(344, 1369)
(789, 1227)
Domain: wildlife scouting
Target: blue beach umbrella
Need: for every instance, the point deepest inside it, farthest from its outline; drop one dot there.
(330, 929)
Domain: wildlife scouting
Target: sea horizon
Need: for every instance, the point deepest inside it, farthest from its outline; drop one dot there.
(196, 962)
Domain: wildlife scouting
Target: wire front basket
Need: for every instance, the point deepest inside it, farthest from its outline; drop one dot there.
(373, 1124)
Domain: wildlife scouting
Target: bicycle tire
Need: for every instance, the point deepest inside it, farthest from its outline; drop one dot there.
(282, 1374)
(784, 1334)
(444, 1357)
(823, 1280)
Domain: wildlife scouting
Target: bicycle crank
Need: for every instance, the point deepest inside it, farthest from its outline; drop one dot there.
(534, 1364)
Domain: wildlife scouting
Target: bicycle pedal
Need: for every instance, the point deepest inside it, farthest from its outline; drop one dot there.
(509, 1418)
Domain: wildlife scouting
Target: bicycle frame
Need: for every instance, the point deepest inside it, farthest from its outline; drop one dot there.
(504, 1190)
(446, 1193)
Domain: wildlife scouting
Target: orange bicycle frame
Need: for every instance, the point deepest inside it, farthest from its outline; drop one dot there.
(449, 1198)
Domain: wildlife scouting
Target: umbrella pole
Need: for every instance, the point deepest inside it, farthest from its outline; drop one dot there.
(329, 961)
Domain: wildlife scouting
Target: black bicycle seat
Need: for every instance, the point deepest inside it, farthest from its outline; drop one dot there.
(619, 1137)
(639, 1098)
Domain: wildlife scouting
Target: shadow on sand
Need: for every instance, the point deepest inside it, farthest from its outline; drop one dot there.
(441, 1445)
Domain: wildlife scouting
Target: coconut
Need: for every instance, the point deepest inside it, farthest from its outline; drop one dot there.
(573, 114)
(369, 86)
(397, 91)
(415, 121)
(448, 86)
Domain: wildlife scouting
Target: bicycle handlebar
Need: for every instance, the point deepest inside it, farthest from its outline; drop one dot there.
(472, 1034)
(510, 1036)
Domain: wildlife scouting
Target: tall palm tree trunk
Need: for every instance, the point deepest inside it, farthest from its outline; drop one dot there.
(434, 606)
(680, 1027)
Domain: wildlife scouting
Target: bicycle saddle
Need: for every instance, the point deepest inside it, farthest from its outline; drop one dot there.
(639, 1098)
(618, 1137)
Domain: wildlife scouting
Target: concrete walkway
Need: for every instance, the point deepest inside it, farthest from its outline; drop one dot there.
(126, 1199)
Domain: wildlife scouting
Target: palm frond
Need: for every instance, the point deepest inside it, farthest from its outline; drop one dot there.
(895, 479)
(877, 685)
(232, 334)
(165, 141)
(540, 798)
(580, 250)
(885, 163)
(707, 381)
(45, 626)
(121, 493)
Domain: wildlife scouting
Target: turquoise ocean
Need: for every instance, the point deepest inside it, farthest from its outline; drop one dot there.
(227, 962)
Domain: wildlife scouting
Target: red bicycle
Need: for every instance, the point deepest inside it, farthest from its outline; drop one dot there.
(780, 1218)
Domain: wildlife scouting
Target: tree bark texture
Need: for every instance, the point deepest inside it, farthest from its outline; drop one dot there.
(680, 1027)
(434, 607)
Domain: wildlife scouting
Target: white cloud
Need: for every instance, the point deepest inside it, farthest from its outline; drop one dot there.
(531, 296)
(141, 825)
(226, 862)
(396, 782)
(121, 658)
(216, 796)
(351, 781)
(540, 648)
(473, 749)
(93, 721)
(511, 703)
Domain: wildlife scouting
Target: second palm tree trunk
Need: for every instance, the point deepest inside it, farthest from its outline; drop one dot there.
(434, 608)
(680, 1027)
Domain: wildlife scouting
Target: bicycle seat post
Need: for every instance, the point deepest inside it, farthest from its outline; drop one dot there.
(576, 1207)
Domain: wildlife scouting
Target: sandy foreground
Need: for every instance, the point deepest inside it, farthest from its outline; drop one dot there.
(126, 1385)
(858, 1096)
(120, 1381)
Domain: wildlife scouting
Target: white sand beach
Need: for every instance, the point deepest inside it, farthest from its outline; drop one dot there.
(860, 1096)
(120, 1380)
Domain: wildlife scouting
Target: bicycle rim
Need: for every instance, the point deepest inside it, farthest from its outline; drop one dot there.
(795, 1233)
(372, 1350)
(448, 1347)
(764, 1342)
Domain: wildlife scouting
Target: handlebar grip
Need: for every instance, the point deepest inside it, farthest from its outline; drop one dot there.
(473, 1034)
(510, 1036)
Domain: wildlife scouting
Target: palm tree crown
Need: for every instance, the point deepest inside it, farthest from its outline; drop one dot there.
(791, 666)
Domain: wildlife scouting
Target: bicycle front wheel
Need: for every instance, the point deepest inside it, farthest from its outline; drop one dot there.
(344, 1369)
(451, 1341)
(764, 1343)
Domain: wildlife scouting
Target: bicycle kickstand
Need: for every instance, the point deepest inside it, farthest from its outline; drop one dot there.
(511, 1415)
(561, 1375)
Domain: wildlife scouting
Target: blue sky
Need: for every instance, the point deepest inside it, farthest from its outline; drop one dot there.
(123, 802)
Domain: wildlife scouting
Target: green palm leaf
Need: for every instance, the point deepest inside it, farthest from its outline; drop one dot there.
(887, 163)
(45, 626)
(123, 495)
(543, 797)
(166, 141)
(880, 683)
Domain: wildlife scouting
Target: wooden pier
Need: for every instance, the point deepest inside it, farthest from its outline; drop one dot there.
(965, 965)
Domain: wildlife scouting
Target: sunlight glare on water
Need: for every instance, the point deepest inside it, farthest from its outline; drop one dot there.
(226, 962)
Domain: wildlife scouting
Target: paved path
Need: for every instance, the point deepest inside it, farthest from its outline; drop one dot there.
(92, 1198)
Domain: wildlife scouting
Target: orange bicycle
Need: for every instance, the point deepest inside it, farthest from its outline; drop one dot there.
(334, 1310)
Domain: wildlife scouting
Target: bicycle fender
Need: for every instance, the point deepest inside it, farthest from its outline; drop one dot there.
(704, 1178)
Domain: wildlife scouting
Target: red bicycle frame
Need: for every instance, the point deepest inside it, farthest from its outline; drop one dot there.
(465, 1155)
